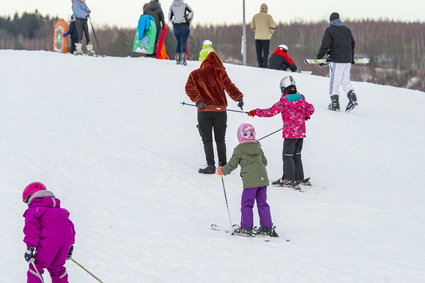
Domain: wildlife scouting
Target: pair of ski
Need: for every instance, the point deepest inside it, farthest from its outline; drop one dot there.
(266, 238)
(325, 61)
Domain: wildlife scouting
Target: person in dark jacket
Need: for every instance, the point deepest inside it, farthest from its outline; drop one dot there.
(280, 60)
(154, 9)
(338, 43)
(73, 33)
(206, 87)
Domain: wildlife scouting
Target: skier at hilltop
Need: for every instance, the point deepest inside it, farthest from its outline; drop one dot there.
(49, 234)
(280, 59)
(338, 43)
(82, 12)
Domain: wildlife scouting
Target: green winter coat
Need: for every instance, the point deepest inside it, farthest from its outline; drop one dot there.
(206, 49)
(253, 164)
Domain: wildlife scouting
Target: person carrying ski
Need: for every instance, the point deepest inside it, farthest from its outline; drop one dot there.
(206, 87)
(263, 25)
(154, 9)
(295, 110)
(82, 12)
(206, 49)
(181, 15)
(73, 33)
(280, 60)
(249, 155)
(338, 43)
(49, 234)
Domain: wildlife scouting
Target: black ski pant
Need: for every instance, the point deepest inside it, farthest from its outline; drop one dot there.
(262, 47)
(83, 27)
(209, 121)
(73, 41)
(292, 164)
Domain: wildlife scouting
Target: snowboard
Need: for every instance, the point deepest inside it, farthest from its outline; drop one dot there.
(145, 43)
(60, 43)
(324, 61)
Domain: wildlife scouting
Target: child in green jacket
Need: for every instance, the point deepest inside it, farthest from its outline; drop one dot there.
(249, 155)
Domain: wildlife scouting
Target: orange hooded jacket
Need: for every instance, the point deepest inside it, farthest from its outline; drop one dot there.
(209, 82)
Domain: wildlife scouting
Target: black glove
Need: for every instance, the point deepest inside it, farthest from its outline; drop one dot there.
(70, 252)
(240, 103)
(200, 105)
(322, 64)
(29, 254)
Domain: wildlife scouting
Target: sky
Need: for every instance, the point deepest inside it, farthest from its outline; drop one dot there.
(125, 13)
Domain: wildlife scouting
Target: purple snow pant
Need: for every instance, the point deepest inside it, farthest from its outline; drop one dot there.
(52, 258)
(249, 196)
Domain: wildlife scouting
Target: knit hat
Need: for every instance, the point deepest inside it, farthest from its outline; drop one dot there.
(246, 133)
(333, 16)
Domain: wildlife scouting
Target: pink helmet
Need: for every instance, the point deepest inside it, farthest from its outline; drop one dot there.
(31, 189)
(246, 132)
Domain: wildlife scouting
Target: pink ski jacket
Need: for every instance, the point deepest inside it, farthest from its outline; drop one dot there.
(46, 223)
(295, 110)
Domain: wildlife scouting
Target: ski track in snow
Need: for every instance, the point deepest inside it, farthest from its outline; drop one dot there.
(109, 137)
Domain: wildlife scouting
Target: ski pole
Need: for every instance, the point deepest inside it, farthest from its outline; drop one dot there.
(36, 270)
(95, 37)
(216, 108)
(270, 134)
(82, 267)
(227, 204)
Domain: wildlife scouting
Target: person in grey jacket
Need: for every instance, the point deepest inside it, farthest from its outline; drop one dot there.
(154, 9)
(82, 12)
(181, 15)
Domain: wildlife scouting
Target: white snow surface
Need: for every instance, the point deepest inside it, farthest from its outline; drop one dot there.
(110, 138)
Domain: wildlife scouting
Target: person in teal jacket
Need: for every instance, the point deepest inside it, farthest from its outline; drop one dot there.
(206, 49)
(249, 155)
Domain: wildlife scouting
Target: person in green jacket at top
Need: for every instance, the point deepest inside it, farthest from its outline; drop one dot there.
(249, 155)
(206, 49)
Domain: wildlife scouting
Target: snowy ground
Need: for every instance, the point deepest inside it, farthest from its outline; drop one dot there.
(109, 137)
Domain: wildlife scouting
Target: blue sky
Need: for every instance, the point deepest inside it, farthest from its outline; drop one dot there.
(125, 13)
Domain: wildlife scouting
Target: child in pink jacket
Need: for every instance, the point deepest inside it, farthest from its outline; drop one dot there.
(295, 111)
(49, 234)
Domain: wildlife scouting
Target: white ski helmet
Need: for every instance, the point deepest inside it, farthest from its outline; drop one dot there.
(287, 82)
(207, 42)
(283, 47)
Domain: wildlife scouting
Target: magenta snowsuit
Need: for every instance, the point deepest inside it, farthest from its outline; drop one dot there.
(48, 229)
(294, 111)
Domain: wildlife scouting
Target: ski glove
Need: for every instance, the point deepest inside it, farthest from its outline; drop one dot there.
(200, 105)
(29, 254)
(70, 252)
(219, 171)
(252, 113)
(240, 103)
(65, 34)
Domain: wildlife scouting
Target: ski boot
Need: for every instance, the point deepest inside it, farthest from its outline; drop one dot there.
(183, 59)
(210, 169)
(78, 49)
(90, 50)
(334, 106)
(352, 101)
(305, 182)
(267, 231)
(246, 232)
(291, 184)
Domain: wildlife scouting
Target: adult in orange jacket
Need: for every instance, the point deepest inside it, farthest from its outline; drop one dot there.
(206, 87)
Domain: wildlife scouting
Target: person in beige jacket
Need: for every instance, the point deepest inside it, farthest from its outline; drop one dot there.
(263, 25)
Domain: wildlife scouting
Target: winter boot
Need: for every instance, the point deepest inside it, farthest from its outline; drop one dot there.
(183, 59)
(247, 232)
(79, 48)
(90, 50)
(291, 184)
(267, 231)
(210, 169)
(352, 101)
(178, 58)
(334, 106)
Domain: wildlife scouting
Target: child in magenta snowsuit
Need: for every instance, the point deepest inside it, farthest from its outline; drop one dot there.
(49, 234)
(295, 111)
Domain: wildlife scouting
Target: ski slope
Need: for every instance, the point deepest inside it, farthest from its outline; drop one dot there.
(110, 138)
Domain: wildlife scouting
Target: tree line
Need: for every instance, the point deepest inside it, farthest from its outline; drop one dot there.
(396, 49)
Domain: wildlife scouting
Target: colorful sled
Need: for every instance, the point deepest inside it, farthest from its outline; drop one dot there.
(60, 43)
(144, 43)
(161, 50)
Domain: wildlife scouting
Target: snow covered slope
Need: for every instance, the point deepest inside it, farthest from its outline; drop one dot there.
(110, 138)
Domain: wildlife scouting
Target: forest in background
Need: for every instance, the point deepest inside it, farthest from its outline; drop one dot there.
(396, 49)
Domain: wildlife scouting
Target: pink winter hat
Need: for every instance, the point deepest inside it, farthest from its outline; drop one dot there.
(246, 133)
